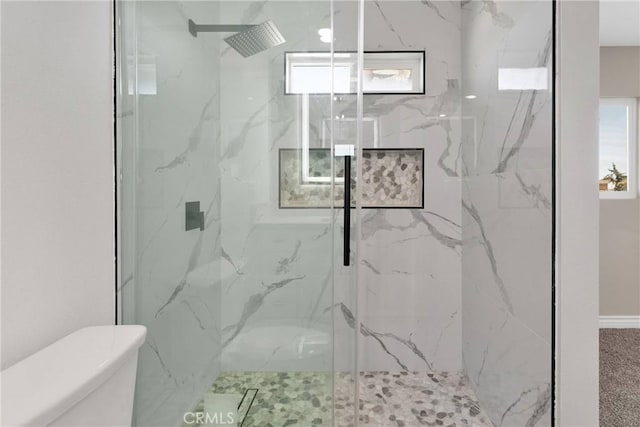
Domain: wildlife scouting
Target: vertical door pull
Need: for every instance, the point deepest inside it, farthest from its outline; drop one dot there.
(346, 255)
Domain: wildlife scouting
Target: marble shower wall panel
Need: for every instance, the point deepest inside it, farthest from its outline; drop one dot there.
(507, 212)
(171, 278)
(508, 366)
(410, 272)
(277, 264)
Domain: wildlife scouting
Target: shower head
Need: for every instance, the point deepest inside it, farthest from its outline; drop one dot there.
(249, 39)
(256, 39)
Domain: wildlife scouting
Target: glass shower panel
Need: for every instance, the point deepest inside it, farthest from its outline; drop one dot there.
(410, 360)
(276, 224)
(507, 206)
(231, 218)
(345, 121)
(169, 274)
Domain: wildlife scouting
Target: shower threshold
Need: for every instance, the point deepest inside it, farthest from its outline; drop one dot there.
(305, 399)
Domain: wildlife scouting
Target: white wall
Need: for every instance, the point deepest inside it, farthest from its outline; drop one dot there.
(619, 71)
(57, 172)
(577, 214)
(619, 218)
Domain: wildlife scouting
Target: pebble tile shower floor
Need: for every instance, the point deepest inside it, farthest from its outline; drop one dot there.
(395, 399)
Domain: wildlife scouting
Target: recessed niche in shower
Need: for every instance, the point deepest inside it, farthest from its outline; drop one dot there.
(391, 178)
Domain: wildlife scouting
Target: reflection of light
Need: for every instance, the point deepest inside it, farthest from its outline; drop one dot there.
(443, 115)
(325, 35)
(385, 72)
(523, 78)
(323, 55)
(387, 79)
(471, 97)
(142, 75)
(312, 78)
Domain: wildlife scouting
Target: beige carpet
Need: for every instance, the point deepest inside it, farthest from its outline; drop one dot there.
(619, 377)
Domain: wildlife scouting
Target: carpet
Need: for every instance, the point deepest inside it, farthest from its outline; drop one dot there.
(619, 377)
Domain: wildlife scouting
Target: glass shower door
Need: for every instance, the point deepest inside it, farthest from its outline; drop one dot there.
(277, 211)
(232, 237)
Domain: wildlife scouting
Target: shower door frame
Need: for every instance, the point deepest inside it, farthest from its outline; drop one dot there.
(117, 158)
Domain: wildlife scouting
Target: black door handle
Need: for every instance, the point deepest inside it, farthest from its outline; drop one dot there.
(346, 251)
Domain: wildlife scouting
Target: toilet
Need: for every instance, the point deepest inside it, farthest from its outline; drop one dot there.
(85, 379)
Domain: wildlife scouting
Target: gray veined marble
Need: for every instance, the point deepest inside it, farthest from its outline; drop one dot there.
(541, 406)
(253, 304)
(283, 264)
(381, 337)
(194, 139)
(530, 114)
(506, 199)
(433, 5)
(500, 19)
(151, 344)
(488, 248)
(388, 22)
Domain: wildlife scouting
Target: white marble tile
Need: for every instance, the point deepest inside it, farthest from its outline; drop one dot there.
(508, 254)
(508, 364)
(507, 217)
(409, 279)
(506, 121)
(422, 244)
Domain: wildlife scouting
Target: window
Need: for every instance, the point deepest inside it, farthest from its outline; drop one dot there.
(383, 72)
(618, 148)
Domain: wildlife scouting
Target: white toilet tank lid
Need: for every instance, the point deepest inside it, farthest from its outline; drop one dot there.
(40, 388)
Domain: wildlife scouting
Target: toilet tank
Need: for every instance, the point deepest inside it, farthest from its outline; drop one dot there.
(85, 379)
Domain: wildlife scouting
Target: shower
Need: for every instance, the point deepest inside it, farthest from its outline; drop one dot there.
(418, 295)
(248, 40)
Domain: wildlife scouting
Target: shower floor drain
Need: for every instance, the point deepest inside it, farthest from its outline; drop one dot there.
(245, 404)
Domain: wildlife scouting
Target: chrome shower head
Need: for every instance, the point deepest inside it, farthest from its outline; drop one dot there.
(256, 39)
(249, 39)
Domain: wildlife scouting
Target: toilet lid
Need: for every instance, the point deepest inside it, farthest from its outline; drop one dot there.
(40, 388)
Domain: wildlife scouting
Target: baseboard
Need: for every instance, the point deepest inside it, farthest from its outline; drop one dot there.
(620, 321)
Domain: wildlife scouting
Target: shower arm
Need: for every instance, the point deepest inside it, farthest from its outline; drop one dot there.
(194, 28)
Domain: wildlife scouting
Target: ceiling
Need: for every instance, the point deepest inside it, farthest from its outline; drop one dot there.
(620, 23)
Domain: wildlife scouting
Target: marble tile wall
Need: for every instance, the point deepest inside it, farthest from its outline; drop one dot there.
(169, 149)
(409, 276)
(278, 287)
(410, 272)
(507, 215)
(409, 280)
